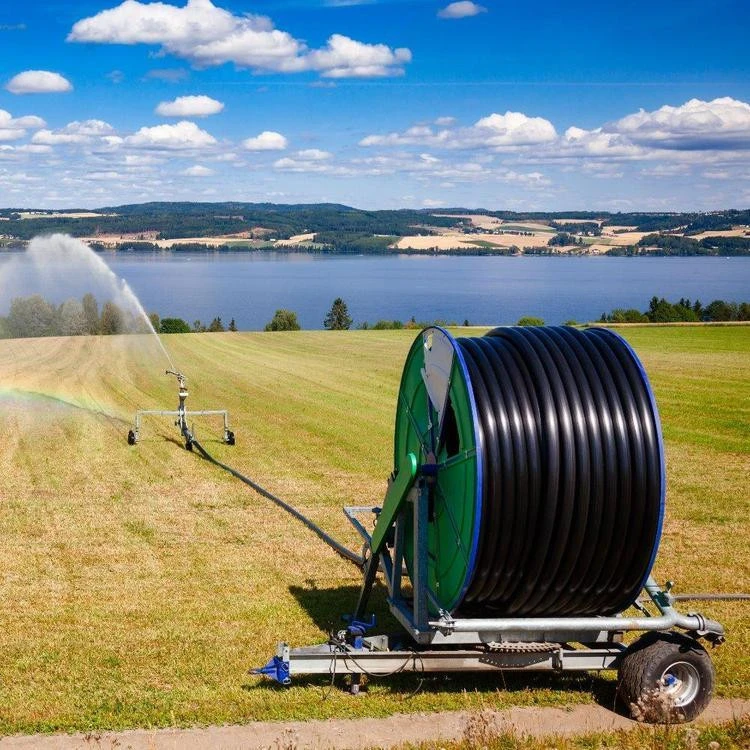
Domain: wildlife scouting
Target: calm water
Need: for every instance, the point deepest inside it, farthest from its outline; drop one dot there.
(484, 290)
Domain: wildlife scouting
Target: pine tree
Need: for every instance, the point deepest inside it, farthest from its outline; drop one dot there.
(338, 318)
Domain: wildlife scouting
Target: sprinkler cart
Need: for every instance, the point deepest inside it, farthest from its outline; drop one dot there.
(181, 415)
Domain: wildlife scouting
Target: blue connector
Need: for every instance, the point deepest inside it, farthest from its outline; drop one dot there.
(278, 667)
(357, 629)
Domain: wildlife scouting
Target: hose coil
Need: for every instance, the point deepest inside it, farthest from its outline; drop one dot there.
(573, 472)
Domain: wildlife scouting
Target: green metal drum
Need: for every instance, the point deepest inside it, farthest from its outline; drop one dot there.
(436, 421)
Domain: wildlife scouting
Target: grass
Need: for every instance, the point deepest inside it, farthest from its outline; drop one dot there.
(139, 584)
(482, 731)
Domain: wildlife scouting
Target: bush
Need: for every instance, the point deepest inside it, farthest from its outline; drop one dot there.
(529, 320)
(173, 325)
(283, 320)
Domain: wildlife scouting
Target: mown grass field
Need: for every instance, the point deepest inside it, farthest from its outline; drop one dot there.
(139, 584)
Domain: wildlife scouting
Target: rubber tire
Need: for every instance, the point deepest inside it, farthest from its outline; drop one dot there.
(131, 438)
(189, 445)
(230, 437)
(640, 672)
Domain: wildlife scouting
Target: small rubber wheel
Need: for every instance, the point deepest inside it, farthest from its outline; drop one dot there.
(131, 438)
(665, 678)
(230, 437)
(189, 445)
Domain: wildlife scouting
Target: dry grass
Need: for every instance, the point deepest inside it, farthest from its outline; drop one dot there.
(484, 733)
(139, 584)
(450, 240)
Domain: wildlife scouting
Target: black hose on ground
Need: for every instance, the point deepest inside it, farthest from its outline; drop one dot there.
(572, 473)
(337, 547)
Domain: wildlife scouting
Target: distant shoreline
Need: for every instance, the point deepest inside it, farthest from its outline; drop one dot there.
(19, 246)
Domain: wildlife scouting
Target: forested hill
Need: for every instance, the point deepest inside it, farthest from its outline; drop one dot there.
(174, 220)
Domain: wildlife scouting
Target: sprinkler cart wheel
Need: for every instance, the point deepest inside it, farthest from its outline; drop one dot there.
(665, 677)
(229, 437)
(131, 438)
(189, 445)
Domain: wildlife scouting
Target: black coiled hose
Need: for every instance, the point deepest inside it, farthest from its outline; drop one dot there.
(573, 472)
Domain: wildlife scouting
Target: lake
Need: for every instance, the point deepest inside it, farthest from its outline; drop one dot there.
(249, 287)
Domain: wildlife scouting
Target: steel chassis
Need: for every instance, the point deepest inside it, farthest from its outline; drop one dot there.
(442, 643)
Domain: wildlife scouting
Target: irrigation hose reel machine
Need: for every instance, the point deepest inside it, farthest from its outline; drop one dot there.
(522, 518)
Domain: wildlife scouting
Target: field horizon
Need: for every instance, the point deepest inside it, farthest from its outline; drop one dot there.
(141, 583)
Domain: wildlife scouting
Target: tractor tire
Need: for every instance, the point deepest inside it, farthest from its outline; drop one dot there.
(665, 678)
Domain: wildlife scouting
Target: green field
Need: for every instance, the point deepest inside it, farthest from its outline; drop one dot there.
(139, 584)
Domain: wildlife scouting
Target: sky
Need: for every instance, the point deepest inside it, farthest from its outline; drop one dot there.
(536, 105)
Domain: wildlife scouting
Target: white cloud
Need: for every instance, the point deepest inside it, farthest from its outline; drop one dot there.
(346, 58)
(514, 129)
(313, 154)
(268, 140)
(492, 132)
(198, 170)
(461, 9)
(14, 128)
(207, 35)
(311, 160)
(74, 132)
(38, 82)
(184, 135)
(190, 106)
(723, 123)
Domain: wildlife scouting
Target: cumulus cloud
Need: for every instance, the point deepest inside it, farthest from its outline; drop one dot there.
(314, 154)
(697, 131)
(190, 106)
(38, 82)
(461, 9)
(184, 135)
(343, 57)
(207, 35)
(198, 170)
(268, 140)
(74, 132)
(310, 160)
(492, 132)
(723, 123)
(14, 128)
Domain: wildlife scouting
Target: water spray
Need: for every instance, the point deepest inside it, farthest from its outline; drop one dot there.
(181, 415)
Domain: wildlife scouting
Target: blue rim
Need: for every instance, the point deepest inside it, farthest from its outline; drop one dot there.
(662, 459)
(474, 552)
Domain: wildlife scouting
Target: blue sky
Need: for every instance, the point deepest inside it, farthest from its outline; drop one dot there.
(380, 104)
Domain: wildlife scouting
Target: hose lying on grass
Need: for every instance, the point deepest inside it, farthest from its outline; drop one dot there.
(337, 547)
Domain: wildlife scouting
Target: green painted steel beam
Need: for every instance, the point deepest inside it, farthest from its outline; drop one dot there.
(394, 499)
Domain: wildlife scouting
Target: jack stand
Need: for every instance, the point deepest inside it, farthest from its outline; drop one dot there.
(182, 416)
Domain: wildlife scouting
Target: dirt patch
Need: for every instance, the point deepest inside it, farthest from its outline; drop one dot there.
(358, 734)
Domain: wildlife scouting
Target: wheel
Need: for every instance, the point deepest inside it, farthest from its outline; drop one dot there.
(189, 445)
(665, 678)
(230, 437)
(131, 438)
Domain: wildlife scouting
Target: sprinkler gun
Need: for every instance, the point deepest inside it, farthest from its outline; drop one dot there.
(181, 422)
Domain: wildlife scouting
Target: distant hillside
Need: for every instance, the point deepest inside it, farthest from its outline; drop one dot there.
(329, 227)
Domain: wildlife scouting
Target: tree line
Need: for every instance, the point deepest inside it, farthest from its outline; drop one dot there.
(34, 317)
(683, 311)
